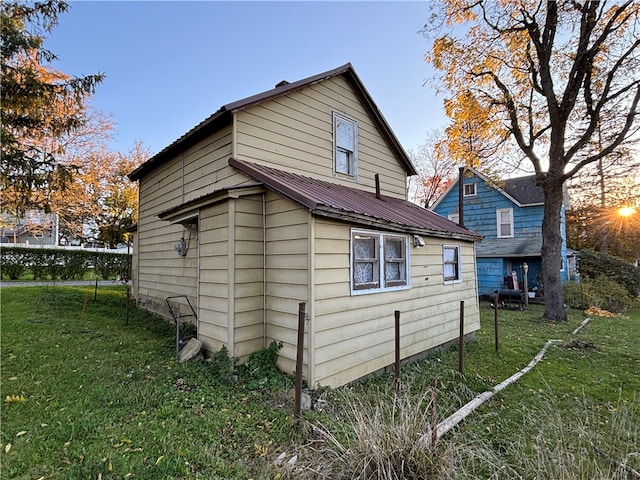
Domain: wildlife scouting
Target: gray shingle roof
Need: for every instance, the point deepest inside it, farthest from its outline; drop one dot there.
(524, 189)
(509, 247)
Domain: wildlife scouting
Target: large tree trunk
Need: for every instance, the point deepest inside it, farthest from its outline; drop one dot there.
(552, 253)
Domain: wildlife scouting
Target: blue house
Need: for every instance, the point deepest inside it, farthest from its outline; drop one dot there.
(508, 214)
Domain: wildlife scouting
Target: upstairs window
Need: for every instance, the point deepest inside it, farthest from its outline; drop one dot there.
(452, 264)
(469, 189)
(379, 261)
(345, 145)
(505, 222)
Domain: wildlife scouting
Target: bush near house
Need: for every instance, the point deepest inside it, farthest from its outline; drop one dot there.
(594, 264)
(51, 263)
(602, 292)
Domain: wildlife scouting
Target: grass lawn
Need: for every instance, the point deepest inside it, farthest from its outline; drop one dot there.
(86, 395)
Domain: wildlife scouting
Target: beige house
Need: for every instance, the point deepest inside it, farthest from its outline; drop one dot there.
(273, 201)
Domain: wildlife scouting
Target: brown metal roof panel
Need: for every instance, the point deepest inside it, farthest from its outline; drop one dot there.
(318, 195)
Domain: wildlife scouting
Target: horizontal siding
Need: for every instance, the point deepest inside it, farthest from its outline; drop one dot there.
(214, 277)
(160, 271)
(287, 227)
(248, 275)
(354, 335)
(294, 133)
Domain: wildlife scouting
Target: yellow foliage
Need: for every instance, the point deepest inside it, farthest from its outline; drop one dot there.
(15, 399)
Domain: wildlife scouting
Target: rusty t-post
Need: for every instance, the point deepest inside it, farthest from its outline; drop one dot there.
(299, 361)
(495, 320)
(461, 340)
(397, 346)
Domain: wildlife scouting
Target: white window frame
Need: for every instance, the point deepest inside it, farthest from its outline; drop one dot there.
(467, 186)
(380, 263)
(499, 222)
(457, 264)
(350, 150)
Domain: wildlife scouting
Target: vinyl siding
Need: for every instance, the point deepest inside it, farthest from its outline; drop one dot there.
(295, 133)
(161, 271)
(287, 262)
(249, 275)
(354, 335)
(214, 277)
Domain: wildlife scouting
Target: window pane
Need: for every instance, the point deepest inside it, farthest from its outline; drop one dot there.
(393, 249)
(505, 230)
(363, 273)
(345, 134)
(449, 255)
(449, 271)
(393, 271)
(365, 248)
(343, 161)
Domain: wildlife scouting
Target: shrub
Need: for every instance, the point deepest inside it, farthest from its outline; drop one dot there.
(64, 264)
(260, 370)
(13, 262)
(594, 264)
(602, 292)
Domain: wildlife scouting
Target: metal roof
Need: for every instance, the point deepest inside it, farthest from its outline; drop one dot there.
(353, 205)
(224, 115)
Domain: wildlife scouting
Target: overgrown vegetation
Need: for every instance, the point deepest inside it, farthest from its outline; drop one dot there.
(49, 263)
(88, 394)
(595, 264)
(601, 292)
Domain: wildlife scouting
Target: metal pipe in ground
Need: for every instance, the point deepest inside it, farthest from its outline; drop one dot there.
(397, 346)
(495, 320)
(299, 361)
(461, 340)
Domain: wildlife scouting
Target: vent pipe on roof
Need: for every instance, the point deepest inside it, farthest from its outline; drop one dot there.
(461, 197)
(282, 83)
(377, 185)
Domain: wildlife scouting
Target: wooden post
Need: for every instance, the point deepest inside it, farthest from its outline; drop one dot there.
(127, 307)
(299, 361)
(461, 341)
(397, 347)
(495, 320)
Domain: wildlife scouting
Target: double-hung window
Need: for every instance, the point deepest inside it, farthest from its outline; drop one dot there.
(345, 145)
(379, 261)
(469, 189)
(451, 263)
(505, 222)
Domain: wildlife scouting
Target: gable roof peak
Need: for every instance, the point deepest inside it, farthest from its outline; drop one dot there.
(225, 113)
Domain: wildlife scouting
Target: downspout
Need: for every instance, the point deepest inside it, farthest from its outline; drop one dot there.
(264, 270)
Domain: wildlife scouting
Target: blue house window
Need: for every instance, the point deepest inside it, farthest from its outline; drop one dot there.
(505, 222)
(469, 189)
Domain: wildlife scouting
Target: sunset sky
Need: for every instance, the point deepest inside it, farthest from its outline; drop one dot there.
(169, 65)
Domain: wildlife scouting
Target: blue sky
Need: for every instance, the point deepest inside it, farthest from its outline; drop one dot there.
(169, 65)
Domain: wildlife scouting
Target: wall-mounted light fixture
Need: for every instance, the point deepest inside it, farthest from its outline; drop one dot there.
(418, 241)
(181, 247)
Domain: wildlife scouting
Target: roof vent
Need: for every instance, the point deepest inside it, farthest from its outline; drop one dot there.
(282, 83)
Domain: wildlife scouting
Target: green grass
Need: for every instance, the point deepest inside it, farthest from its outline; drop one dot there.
(103, 399)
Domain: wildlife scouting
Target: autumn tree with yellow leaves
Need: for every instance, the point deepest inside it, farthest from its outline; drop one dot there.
(541, 78)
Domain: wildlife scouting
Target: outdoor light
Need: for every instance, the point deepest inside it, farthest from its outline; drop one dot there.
(418, 241)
